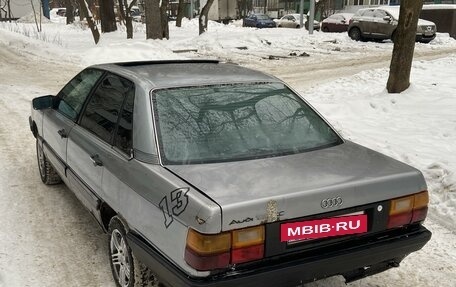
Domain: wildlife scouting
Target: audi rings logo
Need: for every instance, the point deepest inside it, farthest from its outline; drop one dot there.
(332, 202)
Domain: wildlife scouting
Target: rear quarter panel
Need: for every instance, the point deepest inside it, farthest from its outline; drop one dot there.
(143, 195)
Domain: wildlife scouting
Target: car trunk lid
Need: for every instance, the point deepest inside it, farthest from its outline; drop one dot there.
(266, 190)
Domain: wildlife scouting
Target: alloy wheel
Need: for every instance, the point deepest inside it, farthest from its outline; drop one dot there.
(120, 259)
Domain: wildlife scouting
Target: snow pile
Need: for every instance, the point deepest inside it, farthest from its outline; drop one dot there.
(129, 51)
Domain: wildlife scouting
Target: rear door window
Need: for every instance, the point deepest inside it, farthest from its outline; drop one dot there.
(124, 134)
(102, 112)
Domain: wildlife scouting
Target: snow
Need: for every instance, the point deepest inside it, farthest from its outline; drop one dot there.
(49, 239)
(439, 7)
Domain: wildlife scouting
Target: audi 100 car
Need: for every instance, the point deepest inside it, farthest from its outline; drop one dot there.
(211, 174)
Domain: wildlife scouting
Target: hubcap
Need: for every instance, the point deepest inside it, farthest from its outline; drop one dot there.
(119, 258)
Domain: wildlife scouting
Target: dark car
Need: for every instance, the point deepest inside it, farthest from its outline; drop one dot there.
(259, 21)
(336, 23)
(380, 24)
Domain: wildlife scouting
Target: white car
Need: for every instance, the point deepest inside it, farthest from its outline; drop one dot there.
(294, 21)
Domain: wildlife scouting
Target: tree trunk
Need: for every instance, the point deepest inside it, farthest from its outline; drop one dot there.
(153, 22)
(203, 20)
(121, 9)
(88, 15)
(107, 16)
(404, 46)
(180, 13)
(69, 12)
(9, 10)
(129, 19)
(245, 6)
(164, 19)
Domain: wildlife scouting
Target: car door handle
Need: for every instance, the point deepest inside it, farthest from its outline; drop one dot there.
(96, 160)
(62, 133)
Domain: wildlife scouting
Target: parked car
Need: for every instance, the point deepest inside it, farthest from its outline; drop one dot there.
(294, 21)
(212, 174)
(259, 21)
(380, 24)
(135, 13)
(336, 23)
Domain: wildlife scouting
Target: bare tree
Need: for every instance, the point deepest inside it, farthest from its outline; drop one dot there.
(37, 21)
(128, 18)
(244, 7)
(69, 11)
(107, 16)
(3, 4)
(180, 13)
(404, 46)
(325, 7)
(153, 21)
(203, 20)
(84, 7)
(6, 7)
(121, 11)
(164, 18)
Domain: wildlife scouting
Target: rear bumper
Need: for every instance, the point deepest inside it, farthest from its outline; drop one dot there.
(378, 255)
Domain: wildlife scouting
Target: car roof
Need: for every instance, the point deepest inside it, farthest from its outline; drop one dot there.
(180, 73)
(346, 15)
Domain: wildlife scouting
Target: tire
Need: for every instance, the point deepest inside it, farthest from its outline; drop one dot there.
(325, 29)
(126, 269)
(48, 174)
(297, 26)
(355, 34)
(394, 36)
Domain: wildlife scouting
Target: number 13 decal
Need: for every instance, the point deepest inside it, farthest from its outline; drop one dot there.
(174, 204)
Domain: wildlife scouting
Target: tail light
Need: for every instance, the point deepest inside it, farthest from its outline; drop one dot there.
(207, 252)
(409, 209)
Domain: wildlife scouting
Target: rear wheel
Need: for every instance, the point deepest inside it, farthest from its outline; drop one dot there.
(355, 34)
(47, 172)
(126, 268)
(325, 29)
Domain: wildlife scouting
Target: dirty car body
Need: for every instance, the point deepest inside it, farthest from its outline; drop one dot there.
(381, 23)
(224, 176)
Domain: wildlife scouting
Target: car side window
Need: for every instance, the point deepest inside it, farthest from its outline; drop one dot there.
(73, 95)
(368, 13)
(380, 14)
(102, 112)
(124, 136)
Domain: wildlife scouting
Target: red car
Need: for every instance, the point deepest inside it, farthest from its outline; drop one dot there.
(336, 23)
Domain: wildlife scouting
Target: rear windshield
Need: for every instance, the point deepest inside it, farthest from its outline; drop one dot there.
(236, 122)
